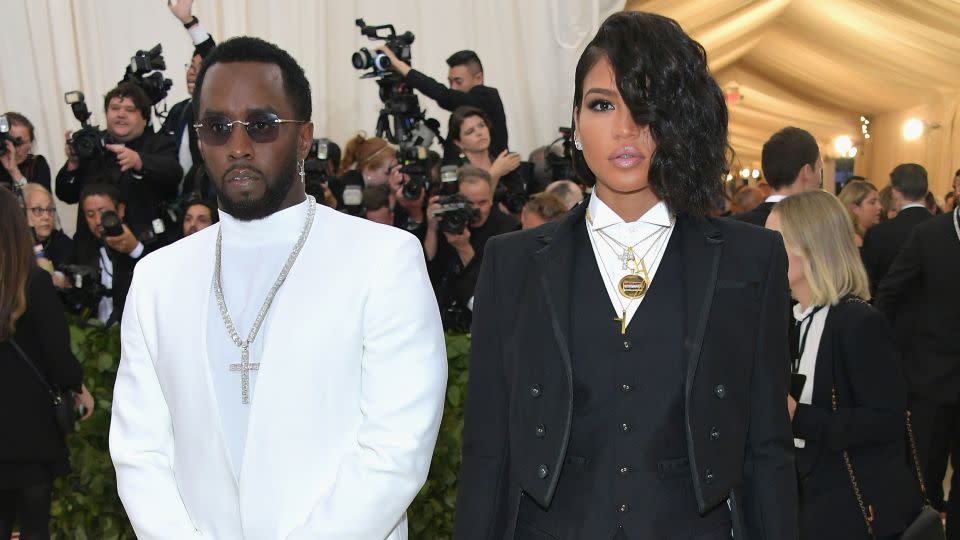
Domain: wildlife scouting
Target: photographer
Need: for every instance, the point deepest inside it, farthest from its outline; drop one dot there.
(377, 162)
(111, 247)
(198, 214)
(19, 165)
(141, 164)
(454, 256)
(180, 120)
(56, 248)
(466, 88)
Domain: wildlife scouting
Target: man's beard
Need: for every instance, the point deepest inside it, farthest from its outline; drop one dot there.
(249, 209)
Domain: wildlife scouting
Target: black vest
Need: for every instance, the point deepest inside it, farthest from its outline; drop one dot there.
(626, 473)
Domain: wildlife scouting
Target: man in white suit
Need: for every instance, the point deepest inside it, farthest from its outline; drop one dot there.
(283, 371)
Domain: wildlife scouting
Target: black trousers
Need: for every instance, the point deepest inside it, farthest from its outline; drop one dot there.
(937, 429)
(32, 506)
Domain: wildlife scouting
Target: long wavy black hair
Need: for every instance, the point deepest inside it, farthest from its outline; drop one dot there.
(663, 77)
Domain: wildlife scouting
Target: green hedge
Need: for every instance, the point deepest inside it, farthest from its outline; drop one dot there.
(86, 505)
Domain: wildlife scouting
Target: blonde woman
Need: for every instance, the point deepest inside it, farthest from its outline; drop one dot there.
(862, 202)
(844, 348)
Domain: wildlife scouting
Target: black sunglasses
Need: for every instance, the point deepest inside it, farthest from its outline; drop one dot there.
(261, 128)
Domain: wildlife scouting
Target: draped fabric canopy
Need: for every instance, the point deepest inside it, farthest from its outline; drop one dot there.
(820, 65)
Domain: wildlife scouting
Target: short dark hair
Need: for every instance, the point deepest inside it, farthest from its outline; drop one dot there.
(663, 77)
(15, 118)
(251, 49)
(103, 190)
(546, 205)
(193, 199)
(785, 153)
(466, 58)
(957, 173)
(375, 198)
(134, 93)
(910, 180)
(459, 115)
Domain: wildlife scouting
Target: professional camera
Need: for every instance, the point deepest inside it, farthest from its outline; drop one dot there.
(5, 135)
(88, 142)
(85, 289)
(457, 213)
(401, 120)
(111, 223)
(145, 70)
(560, 156)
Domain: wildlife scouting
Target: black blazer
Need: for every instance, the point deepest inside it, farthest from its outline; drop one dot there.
(482, 97)
(858, 357)
(757, 216)
(919, 295)
(87, 253)
(26, 410)
(736, 304)
(35, 169)
(883, 242)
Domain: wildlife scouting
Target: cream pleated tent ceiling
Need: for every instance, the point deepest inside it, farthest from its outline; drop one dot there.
(821, 65)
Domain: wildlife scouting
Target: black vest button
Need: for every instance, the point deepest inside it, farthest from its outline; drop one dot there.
(625, 427)
(720, 391)
(708, 476)
(626, 388)
(541, 431)
(714, 433)
(542, 471)
(624, 471)
(627, 345)
(624, 508)
(535, 390)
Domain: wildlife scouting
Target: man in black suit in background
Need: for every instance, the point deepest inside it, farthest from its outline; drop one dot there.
(883, 242)
(180, 118)
(920, 294)
(791, 164)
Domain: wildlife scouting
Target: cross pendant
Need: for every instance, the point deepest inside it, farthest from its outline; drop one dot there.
(626, 258)
(622, 319)
(244, 367)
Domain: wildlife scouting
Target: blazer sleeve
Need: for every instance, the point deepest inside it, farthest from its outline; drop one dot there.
(447, 98)
(161, 170)
(900, 278)
(141, 436)
(68, 185)
(870, 254)
(41, 172)
(483, 492)
(875, 409)
(61, 368)
(770, 498)
(403, 384)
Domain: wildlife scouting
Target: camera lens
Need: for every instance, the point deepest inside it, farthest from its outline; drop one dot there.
(381, 62)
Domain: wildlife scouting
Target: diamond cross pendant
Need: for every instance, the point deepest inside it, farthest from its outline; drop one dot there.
(626, 257)
(244, 367)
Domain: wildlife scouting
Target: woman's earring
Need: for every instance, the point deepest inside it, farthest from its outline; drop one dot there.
(577, 143)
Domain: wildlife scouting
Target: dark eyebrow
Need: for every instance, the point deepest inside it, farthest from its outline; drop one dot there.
(254, 110)
(601, 91)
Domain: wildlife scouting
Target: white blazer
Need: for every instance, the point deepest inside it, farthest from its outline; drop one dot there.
(347, 404)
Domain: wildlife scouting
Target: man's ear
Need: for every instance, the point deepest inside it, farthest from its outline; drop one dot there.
(121, 210)
(305, 140)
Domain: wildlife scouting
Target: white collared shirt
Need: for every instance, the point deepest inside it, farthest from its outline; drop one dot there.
(105, 308)
(811, 331)
(775, 198)
(607, 252)
(914, 205)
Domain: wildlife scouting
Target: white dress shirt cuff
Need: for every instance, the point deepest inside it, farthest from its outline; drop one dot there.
(137, 251)
(198, 34)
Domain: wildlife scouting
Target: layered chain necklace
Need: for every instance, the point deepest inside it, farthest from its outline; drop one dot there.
(635, 284)
(245, 366)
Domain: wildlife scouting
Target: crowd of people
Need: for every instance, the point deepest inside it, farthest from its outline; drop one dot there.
(810, 384)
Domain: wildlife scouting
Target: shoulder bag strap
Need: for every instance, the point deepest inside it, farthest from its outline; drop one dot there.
(56, 397)
(865, 509)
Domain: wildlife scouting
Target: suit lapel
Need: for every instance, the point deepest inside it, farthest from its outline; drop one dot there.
(702, 243)
(554, 261)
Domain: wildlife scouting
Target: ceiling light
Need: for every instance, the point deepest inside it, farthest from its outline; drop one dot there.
(913, 129)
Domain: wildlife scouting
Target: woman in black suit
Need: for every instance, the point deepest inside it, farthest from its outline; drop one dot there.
(629, 360)
(31, 316)
(853, 404)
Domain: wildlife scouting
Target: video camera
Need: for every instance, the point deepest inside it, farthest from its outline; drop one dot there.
(401, 120)
(457, 213)
(560, 156)
(145, 70)
(5, 135)
(89, 141)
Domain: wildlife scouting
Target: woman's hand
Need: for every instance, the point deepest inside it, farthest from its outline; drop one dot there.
(84, 399)
(505, 163)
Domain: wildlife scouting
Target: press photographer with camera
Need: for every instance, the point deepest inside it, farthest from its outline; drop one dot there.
(111, 246)
(52, 246)
(377, 162)
(466, 88)
(458, 227)
(19, 165)
(180, 118)
(198, 214)
(140, 163)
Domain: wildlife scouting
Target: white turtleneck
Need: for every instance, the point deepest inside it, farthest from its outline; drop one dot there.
(253, 254)
(606, 252)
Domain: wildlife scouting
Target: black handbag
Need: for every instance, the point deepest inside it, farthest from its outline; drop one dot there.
(62, 399)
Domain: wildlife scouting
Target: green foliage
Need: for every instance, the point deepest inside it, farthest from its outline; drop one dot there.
(431, 514)
(86, 505)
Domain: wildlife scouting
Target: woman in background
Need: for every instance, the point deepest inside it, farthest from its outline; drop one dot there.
(863, 205)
